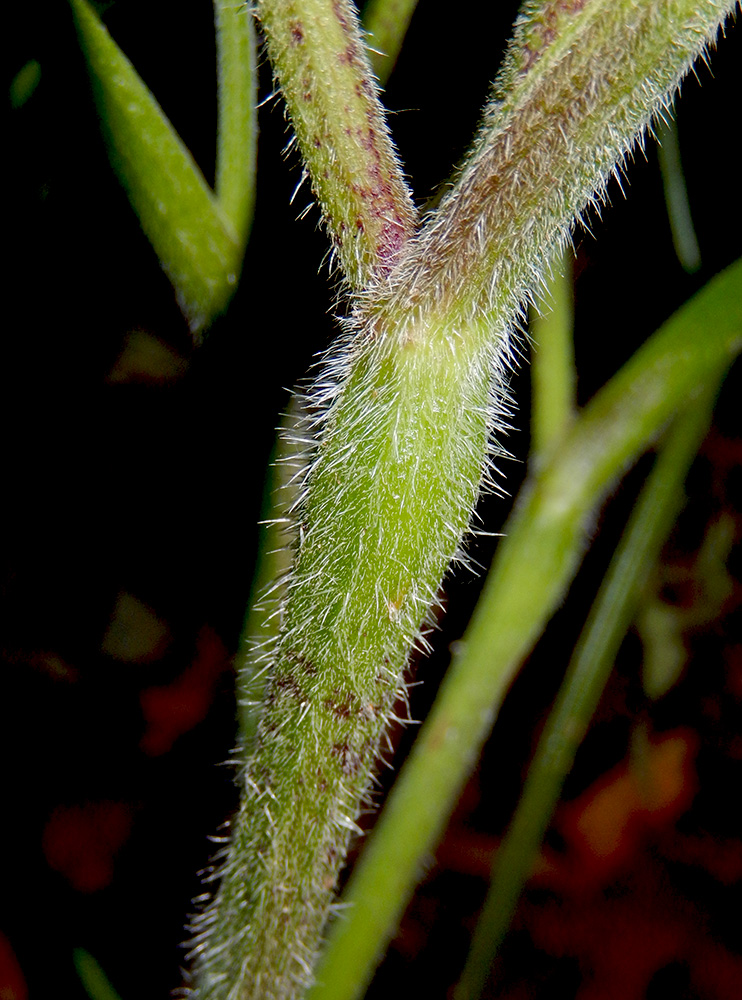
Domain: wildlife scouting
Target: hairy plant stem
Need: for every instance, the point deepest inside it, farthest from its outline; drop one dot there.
(684, 237)
(324, 74)
(406, 409)
(588, 672)
(275, 553)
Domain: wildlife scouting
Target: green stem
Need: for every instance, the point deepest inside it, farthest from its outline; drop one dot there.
(676, 198)
(92, 976)
(386, 23)
(237, 127)
(195, 240)
(553, 375)
(407, 404)
(535, 563)
(24, 84)
(586, 677)
(321, 63)
(579, 84)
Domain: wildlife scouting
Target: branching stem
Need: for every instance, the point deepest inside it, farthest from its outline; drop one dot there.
(406, 408)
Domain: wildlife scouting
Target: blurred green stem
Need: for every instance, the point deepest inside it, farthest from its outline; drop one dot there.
(553, 375)
(92, 976)
(24, 84)
(676, 197)
(386, 23)
(587, 675)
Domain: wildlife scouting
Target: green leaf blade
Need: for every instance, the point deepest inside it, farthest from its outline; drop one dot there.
(196, 245)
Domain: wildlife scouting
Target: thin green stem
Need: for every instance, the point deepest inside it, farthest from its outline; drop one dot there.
(276, 543)
(587, 675)
(386, 23)
(24, 84)
(261, 624)
(553, 374)
(92, 976)
(534, 565)
(676, 198)
(237, 125)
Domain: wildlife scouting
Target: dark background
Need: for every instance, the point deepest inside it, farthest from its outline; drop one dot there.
(134, 492)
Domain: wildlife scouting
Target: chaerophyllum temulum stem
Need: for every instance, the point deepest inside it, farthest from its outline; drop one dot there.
(322, 69)
(407, 406)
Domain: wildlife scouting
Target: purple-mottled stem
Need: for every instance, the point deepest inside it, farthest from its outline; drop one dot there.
(331, 95)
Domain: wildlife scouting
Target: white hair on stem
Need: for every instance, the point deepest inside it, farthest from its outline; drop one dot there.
(398, 435)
